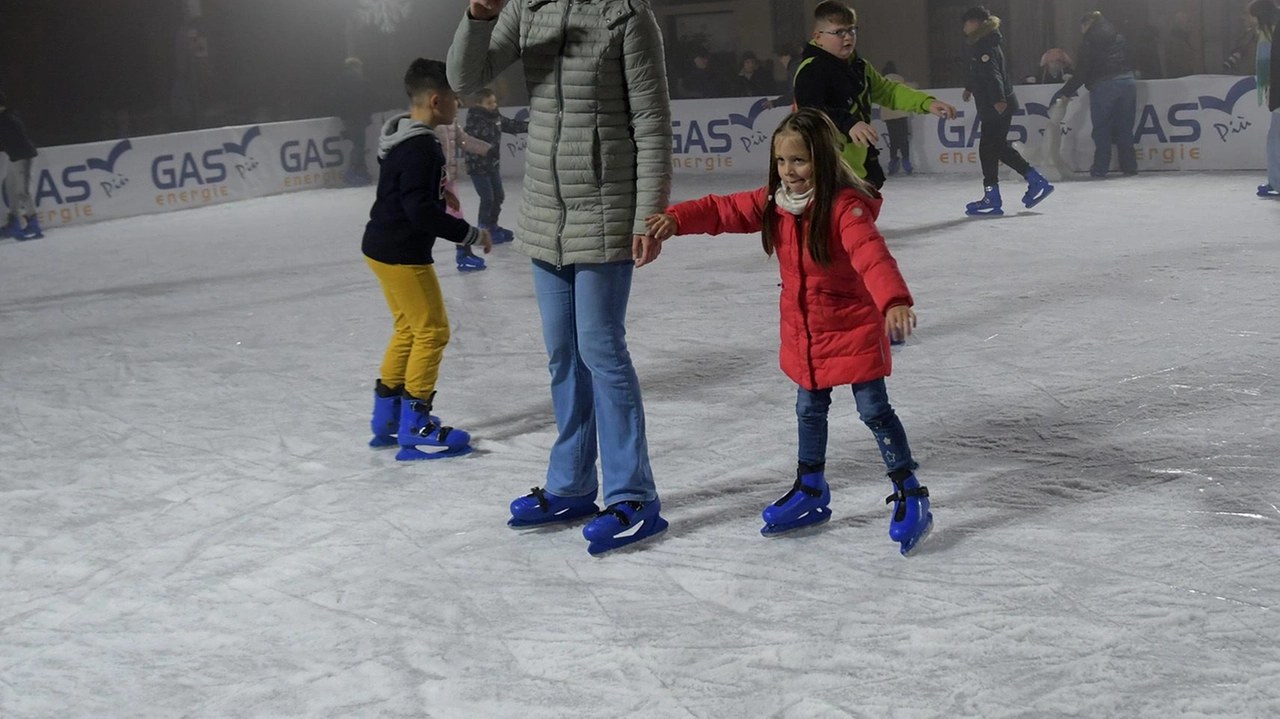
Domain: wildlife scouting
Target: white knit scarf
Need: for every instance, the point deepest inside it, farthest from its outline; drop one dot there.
(795, 204)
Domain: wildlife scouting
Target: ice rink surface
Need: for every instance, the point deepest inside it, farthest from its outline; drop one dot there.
(192, 526)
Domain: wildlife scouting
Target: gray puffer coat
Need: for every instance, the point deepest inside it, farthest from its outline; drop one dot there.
(599, 155)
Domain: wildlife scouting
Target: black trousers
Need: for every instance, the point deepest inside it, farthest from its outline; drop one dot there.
(994, 148)
(875, 173)
(899, 138)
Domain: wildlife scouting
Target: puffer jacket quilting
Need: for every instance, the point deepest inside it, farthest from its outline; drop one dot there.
(599, 150)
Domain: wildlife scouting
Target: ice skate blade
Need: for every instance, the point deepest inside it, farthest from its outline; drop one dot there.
(607, 546)
(413, 454)
(816, 519)
(986, 213)
(1035, 201)
(912, 547)
(383, 442)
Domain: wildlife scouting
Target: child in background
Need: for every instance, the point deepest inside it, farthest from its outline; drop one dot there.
(410, 213)
(899, 126)
(842, 297)
(455, 141)
(991, 89)
(487, 124)
(834, 79)
(17, 181)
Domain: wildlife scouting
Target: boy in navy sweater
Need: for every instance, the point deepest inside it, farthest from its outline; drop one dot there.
(410, 213)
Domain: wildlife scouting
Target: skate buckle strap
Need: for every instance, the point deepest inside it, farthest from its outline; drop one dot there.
(798, 487)
(621, 515)
(540, 494)
(903, 494)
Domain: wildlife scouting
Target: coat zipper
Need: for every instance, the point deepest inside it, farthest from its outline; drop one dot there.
(804, 307)
(555, 142)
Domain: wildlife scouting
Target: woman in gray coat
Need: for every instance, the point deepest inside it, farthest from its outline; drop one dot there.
(598, 163)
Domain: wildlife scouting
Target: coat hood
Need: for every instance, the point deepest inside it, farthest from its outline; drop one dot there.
(398, 129)
(988, 32)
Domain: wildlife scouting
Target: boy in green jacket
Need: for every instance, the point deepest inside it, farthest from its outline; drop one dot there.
(832, 78)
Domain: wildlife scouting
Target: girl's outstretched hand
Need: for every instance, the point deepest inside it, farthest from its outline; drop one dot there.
(899, 321)
(661, 227)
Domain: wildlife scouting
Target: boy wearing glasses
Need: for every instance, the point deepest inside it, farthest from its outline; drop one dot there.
(834, 79)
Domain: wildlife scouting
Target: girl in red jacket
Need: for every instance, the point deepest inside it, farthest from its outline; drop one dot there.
(842, 300)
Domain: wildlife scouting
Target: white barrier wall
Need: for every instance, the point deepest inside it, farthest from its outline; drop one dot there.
(74, 184)
(1201, 123)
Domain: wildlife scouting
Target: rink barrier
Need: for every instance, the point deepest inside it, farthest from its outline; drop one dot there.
(1193, 124)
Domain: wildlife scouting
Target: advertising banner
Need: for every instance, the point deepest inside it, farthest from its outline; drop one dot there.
(1192, 124)
(73, 184)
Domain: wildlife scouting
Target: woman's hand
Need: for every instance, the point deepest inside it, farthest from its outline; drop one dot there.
(645, 249)
(485, 9)
(898, 322)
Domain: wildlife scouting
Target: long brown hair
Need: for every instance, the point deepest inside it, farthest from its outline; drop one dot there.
(831, 174)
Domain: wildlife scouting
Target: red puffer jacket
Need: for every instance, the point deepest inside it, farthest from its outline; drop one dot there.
(833, 330)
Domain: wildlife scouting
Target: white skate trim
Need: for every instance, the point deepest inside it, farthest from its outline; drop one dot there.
(629, 532)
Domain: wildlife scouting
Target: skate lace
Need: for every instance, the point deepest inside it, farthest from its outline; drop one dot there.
(900, 512)
(798, 487)
(621, 515)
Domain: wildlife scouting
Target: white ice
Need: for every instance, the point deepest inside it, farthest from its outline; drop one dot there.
(192, 526)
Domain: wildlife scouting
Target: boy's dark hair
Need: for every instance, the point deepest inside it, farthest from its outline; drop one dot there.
(482, 94)
(1264, 10)
(977, 12)
(425, 77)
(830, 175)
(835, 12)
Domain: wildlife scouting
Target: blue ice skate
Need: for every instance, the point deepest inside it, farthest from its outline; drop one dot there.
(1038, 188)
(906, 165)
(32, 231)
(622, 524)
(894, 166)
(468, 262)
(1268, 191)
(386, 416)
(989, 206)
(500, 235)
(804, 505)
(912, 521)
(540, 508)
(12, 228)
(418, 428)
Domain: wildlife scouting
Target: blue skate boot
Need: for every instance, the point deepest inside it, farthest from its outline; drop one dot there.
(12, 228)
(1268, 191)
(499, 235)
(622, 524)
(32, 230)
(386, 415)
(906, 165)
(895, 165)
(912, 521)
(418, 428)
(1038, 188)
(540, 508)
(805, 505)
(989, 206)
(468, 262)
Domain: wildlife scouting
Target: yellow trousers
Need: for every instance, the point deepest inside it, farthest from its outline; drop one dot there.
(421, 326)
